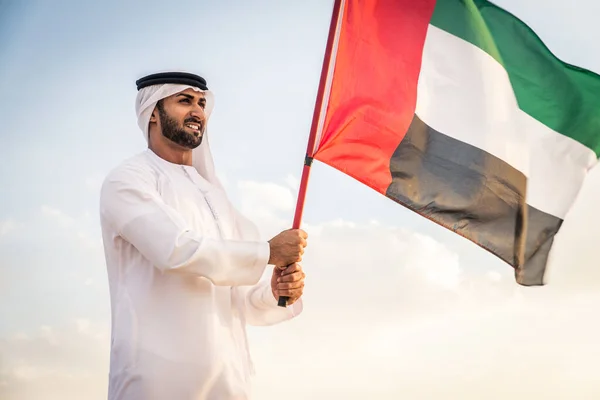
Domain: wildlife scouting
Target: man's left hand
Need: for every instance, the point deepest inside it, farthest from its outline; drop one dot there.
(288, 282)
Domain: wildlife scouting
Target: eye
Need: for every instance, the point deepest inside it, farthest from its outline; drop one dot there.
(184, 101)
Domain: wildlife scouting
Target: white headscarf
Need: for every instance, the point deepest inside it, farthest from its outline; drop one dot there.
(144, 105)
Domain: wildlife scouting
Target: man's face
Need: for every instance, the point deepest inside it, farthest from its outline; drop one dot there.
(182, 118)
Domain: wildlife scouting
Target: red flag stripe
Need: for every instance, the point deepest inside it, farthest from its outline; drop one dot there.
(377, 38)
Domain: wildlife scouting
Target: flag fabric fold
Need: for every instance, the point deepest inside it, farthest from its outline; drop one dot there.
(457, 110)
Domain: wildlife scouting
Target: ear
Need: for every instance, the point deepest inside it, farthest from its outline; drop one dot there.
(154, 116)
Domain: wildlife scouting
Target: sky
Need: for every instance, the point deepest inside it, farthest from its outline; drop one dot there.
(395, 306)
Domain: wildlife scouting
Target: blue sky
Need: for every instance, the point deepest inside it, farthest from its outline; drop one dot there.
(68, 72)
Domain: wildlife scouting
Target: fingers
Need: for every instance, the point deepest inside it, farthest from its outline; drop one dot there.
(292, 294)
(291, 277)
(301, 233)
(290, 282)
(290, 286)
(287, 247)
(303, 242)
(290, 269)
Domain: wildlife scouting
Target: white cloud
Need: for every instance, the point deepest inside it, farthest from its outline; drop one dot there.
(65, 362)
(49, 335)
(292, 182)
(83, 325)
(432, 260)
(269, 204)
(77, 227)
(7, 226)
(494, 276)
(58, 216)
(266, 196)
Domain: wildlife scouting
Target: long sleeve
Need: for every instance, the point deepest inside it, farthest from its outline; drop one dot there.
(261, 307)
(132, 206)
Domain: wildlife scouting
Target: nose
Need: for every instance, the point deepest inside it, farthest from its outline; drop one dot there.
(199, 113)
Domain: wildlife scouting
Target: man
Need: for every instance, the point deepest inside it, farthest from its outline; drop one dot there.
(183, 265)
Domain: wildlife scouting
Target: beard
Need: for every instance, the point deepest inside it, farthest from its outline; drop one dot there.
(177, 134)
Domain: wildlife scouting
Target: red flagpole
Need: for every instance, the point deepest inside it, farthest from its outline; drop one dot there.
(310, 148)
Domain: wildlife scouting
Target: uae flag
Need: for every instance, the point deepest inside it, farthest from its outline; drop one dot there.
(457, 110)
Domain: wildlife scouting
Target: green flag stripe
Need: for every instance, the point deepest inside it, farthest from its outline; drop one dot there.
(563, 97)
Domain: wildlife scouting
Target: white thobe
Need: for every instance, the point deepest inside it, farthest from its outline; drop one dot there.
(184, 271)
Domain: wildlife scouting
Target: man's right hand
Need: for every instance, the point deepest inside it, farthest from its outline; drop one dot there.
(287, 247)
